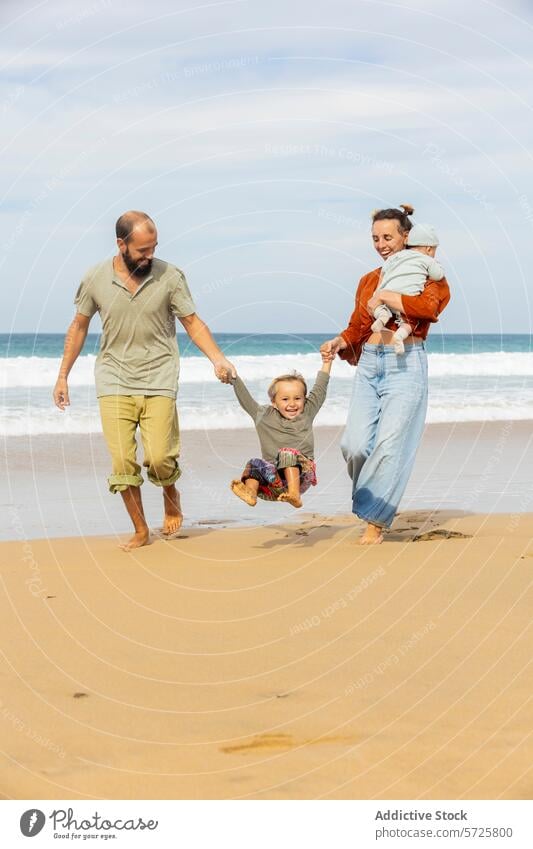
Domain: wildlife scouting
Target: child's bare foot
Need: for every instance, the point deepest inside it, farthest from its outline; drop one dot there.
(372, 535)
(138, 539)
(241, 491)
(293, 500)
(173, 517)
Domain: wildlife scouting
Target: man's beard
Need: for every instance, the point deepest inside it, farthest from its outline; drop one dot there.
(134, 268)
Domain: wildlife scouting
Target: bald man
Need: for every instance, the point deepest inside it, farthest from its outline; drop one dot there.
(138, 298)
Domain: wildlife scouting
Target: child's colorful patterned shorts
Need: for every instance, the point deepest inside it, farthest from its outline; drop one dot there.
(271, 483)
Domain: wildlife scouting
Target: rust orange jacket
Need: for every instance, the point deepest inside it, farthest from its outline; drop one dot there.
(420, 311)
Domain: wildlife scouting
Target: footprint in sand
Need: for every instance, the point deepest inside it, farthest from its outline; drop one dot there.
(441, 533)
(304, 532)
(215, 521)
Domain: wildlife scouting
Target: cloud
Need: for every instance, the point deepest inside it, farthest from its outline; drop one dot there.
(245, 127)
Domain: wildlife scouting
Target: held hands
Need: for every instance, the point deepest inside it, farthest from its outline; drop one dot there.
(60, 393)
(224, 370)
(329, 349)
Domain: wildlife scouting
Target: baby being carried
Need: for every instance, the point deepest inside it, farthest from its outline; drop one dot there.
(407, 272)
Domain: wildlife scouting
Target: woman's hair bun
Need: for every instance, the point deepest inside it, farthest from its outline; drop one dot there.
(407, 208)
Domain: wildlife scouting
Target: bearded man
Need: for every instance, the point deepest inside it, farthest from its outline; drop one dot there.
(138, 298)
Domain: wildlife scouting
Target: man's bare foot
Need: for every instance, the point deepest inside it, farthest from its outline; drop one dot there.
(173, 518)
(241, 491)
(372, 535)
(138, 539)
(293, 500)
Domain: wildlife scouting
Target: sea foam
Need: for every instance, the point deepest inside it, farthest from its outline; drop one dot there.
(42, 371)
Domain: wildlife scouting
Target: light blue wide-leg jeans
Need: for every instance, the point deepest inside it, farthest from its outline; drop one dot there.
(384, 428)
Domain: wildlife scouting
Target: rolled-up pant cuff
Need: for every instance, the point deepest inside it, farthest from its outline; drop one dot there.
(119, 483)
(383, 525)
(168, 481)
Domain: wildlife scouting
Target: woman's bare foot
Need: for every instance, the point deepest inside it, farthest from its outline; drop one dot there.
(373, 535)
(293, 500)
(173, 518)
(241, 491)
(138, 539)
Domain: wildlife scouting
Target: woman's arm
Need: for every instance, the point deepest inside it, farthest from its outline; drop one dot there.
(358, 327)
(429, 304)
(393, 300)
(426, 306)
(349, 342)
(330, 349)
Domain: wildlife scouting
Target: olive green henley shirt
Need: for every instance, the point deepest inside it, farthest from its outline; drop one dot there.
(138, 350)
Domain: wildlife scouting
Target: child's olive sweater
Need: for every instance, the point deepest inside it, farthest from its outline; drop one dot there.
(274, 430)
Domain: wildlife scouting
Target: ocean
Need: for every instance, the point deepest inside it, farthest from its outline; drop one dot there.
(481, 377)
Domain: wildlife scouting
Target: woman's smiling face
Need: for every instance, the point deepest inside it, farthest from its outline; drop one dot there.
(387, 237)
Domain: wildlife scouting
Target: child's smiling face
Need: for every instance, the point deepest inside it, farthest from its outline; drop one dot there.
(289, 399)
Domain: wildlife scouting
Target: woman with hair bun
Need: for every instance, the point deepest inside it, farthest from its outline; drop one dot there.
(389, 400)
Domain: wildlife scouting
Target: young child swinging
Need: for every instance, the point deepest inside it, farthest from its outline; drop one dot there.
(286, 468)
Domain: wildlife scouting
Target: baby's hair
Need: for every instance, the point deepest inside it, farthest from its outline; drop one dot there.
(293, 376)
(400, 215)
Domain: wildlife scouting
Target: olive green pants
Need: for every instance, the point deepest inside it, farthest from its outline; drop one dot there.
(157, 419)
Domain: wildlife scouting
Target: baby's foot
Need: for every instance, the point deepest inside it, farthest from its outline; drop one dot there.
(293, 500)
(377, 326)
(241, 491)
(399, 347)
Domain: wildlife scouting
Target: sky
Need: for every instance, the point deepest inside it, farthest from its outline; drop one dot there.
(260, 136)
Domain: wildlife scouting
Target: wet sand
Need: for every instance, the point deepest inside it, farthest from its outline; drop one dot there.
(56, 486)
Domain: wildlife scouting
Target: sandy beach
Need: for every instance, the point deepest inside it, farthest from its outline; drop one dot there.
(275, 660)
(271, 663)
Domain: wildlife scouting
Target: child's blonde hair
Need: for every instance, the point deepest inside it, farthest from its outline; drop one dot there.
(293, 376)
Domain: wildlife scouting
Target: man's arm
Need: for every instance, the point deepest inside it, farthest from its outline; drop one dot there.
(74, 342)
(199, 333)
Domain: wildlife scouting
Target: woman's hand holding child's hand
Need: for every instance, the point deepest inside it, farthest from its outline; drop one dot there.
(329, 349)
